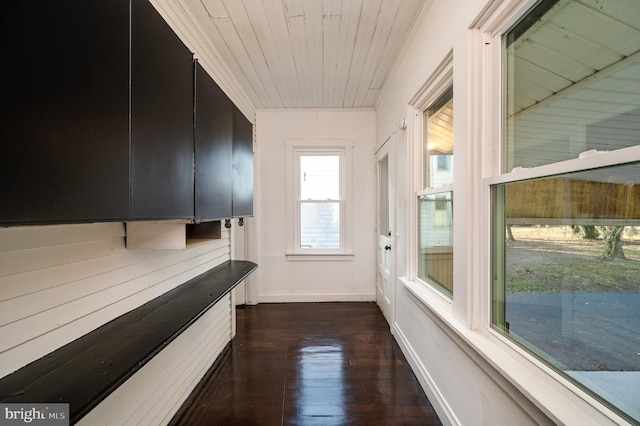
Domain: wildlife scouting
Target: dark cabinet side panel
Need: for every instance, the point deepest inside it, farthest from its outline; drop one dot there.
(213, 149)
(161, 119)
(242, 165)
(64, 73)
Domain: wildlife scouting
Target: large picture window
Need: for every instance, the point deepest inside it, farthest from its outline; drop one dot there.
(566, 208)
(435, 200)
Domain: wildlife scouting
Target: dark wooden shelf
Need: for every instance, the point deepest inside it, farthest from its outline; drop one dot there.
(85, 371)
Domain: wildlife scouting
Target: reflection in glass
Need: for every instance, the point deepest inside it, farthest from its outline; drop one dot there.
(438, 150)
(567, 276)
(567, 90)
(435, 263)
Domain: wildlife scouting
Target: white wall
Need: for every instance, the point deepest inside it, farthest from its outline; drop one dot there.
(471, 375)
(280, 280)
(60, 282)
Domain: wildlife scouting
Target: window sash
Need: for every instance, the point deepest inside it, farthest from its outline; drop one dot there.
(319, 234)
(438, 142)
(324, 235)
(577, 159)
(435, 241)
(322, 182)
(433, 266)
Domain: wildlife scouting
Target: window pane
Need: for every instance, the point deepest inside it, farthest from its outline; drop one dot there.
(567, 276)
(435, 261)
(319, 225)
(383, 197)
(568, 88)
(438, 150)
(320, 177)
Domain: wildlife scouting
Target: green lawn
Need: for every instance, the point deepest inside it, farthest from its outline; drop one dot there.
(553, 260)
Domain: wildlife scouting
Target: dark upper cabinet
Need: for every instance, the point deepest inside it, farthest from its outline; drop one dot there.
(161, 119)
(213, 149)
(242, 165)
(98, 120)
(64, 148)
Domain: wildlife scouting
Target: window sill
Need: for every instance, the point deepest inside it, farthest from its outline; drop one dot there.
(322, 257)
(559, 399)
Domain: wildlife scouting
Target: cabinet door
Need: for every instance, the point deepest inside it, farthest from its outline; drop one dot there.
(213, 149)
(161, 119)
(242, 165)
(64, 76)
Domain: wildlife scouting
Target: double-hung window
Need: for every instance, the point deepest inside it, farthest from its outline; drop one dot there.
(566, 200)
(318, 193)
(435, 199)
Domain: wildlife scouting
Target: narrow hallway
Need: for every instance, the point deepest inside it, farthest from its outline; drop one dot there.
(310, 364)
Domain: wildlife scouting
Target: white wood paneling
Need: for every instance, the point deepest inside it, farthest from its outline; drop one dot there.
(156, 235)
(306, 53)
(37, 247)
(21, 238)
(156, 392)
(71, 279)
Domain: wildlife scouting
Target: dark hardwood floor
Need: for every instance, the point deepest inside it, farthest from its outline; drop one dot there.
(309, 364)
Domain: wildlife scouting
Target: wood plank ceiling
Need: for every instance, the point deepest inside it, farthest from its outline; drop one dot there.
(308, 53)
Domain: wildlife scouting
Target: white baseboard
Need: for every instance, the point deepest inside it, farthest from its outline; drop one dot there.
(316, 297)
(445, 414)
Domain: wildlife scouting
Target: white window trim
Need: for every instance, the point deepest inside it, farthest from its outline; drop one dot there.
(602, 159)
(434, 191)
(507, 363)
(294, 148)
(556, 396)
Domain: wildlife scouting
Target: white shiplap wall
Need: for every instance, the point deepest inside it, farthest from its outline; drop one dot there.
(59, 282)
(154, 394)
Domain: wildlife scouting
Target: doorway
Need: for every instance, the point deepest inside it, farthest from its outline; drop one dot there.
(385, 229)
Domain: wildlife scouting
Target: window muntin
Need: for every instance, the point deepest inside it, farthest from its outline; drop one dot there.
(435, 200)
(571, 94)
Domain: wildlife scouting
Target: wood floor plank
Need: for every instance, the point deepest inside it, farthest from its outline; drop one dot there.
(310, 364)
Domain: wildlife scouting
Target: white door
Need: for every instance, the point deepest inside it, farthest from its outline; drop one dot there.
(385, 229)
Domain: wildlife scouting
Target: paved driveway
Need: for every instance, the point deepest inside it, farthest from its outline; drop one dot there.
(582, 331)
